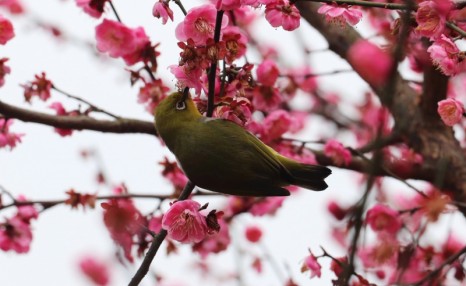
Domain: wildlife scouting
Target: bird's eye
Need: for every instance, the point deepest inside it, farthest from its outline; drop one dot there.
(180, 105)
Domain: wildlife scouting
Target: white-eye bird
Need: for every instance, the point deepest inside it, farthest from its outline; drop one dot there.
(221, 156)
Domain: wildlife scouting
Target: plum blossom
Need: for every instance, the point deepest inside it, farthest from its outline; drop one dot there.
(187, 78)
(446, 55)
(280, 13)
(370, 62)
(15, 235)
(173, 173)
(340, 13)
(235, 43)
(152, 93)
(6, 30)
(184, 222)
(13, 6)
(4, 70)
(276, 124)
(60, 110)
(214, 243)
(97, 271)
(266, 98)
(93, 8)
(312, 265)
(431, 21)
(237, 110)
(253, 233)
(267, 72)
(26, 212)
(199, 24)
(163, 11)
(382, 218)
(339, 154)
(40, 87)
(336, 210)
(8, 138)
(228, 5)
(268, 206)
(450, 111)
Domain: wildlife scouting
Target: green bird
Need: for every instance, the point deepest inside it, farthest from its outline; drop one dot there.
(221, 156)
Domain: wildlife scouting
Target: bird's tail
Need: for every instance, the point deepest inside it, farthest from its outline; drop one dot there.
(308, 176)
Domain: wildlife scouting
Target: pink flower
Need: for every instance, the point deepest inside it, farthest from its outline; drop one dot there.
(187, 78)
(60, 110)
(6, 30)
(123, 220)
(93, 8)
(13, 6)
(282, 13)
(336, 210)
(26, 212)
(430, 22)
(228, 5)
(214, 243)
(173, 173)
(16, 235)
(268, 205)
(384, 252)
(40, 87)
(162, 10)
(152, 93)
(253, 233)
(267, 72)
(300, 78)
(312, 265)
(238, 111)
(199, 24)
(450, 110)
(4, 70)
(266, 98)
(97, 271)
(184, 222)
(235, 43)
(339, 154)
(155, 224)
(446, 55)
(142, 50)
(381, 218)
(116, 39)
(276, 124)
(8, 138)
(340, 13)
(370, 62)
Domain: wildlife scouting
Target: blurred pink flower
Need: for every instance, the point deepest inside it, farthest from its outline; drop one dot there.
(152, 93)
(40, 87)
(26, 212)
(8, 138)
(253, 233)
(4, 70)
(163, 11)
(450, 111)
(339, 154)
(6, 30)
(340, 13)
(16, 235)
(266, 98)
(276, 124)
(114, 38)
(97, 271)
(215, 242)
(199, 24)
(173, 173)
(13, 6)
(382, 218)
(187, 78)
(370, 62)
(93, 8)
(282, 13)
(235, 43)
(312, 265)
(268, 205)
(184, 222)
(445, 54)
(430, 22)
(267, 72)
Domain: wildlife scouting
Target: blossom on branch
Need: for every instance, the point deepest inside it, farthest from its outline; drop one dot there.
(312, 265)
(163, 11)
(40, 87)
(8, 138)
(16, 235)
(173, 173)
(339, 154)
(382, 218)
(93, 8)
(340, 13)
(184, 222)
(280, 13)
(450, 111)
(431, 20)
(446, 55)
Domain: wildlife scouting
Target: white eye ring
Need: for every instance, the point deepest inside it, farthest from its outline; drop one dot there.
(180, 105)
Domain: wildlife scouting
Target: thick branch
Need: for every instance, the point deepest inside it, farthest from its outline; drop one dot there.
(122, 125)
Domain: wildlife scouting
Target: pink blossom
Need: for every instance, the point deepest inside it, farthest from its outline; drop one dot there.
(163, 11)
(184, 222)
(8, 138)
(228, 5)
(282, 13)
(267, 72)
(26, 212)
(370, 62)
(187, 78)
(339, 154)
(237, 110)
(430, 22)
(384, 252)
(253, 233)
(114, 38)
(450, 110)
(123, 220)
(13, 6)
(152, 93)
(97, 271)
(291, 151)
(340, 13)
(93, 8)
(381, 218)
(266, 98)
(445, 54)
(142, 50)
(300, 78)
(155, 224)
(268, 205)
(336, 210)
(199, 24)
(215, 242)
(312, 265)
(276, 124)
(16, 235)
(6, 30)
(173, 173)
(4, 70)
(60, 110)
(40, 87)
(235, 43)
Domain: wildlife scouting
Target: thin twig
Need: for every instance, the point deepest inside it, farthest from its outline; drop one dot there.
(457, 29)
(115, 11)
(178, 2)
(390, 6)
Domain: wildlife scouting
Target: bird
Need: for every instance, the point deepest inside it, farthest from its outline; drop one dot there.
(221, 156)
